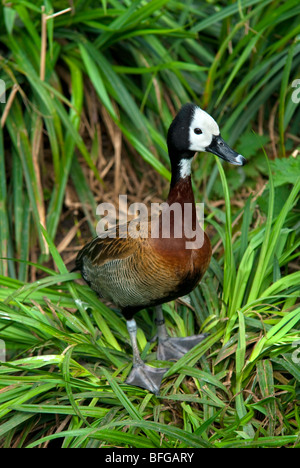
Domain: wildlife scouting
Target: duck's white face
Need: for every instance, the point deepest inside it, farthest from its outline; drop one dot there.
(204, 135)
(202, 130)
(193, 130)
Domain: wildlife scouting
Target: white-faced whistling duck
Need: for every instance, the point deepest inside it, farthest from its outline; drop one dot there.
(146, 271)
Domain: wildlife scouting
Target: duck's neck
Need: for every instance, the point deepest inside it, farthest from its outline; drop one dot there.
(181, 185)
(181, 167)
(181, 218)
(181, 191)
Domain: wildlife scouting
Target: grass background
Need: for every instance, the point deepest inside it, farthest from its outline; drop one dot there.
(91, 88)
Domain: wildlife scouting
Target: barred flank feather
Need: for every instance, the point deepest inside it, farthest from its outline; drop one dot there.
(133, 273)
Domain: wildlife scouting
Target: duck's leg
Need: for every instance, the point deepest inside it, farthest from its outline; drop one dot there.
(142, 375)
(172, 349)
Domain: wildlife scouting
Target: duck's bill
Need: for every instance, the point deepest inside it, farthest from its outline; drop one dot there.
(220, 148)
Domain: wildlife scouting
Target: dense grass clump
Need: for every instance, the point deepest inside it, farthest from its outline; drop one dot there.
(90, 91)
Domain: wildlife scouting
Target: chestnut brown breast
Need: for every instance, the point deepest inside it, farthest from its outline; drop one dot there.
(135, 273)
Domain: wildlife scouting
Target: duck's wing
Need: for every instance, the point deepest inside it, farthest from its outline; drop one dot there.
(116, 269)
(112, 245)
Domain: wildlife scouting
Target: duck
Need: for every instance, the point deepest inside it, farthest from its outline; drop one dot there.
(151, 269)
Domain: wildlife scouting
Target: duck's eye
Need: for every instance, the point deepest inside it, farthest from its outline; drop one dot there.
(198, 131)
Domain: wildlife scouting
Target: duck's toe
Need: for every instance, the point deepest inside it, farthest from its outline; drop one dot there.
(146, 377)
(172, 349)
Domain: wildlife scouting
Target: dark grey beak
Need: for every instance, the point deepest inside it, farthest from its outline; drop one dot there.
(220, 148)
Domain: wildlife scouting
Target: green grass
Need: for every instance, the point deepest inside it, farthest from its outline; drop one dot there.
(68, 354)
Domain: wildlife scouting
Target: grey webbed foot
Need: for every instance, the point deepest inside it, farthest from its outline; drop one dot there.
(172, 349)
(142, 375)
(146, 377)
